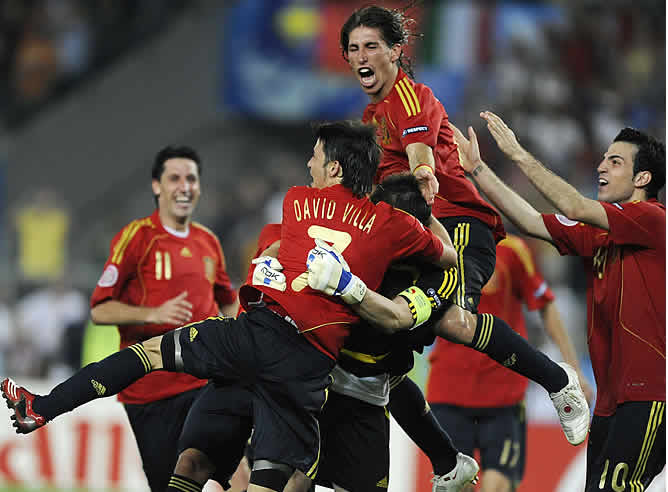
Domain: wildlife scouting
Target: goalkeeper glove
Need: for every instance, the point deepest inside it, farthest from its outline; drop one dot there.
(328, 272)
(268, 272)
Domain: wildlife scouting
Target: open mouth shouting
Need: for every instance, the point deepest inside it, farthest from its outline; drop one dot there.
(367, 77)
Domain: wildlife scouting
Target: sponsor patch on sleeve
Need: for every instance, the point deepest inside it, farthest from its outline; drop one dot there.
(565, 220)
(109, 276)
(414, 129)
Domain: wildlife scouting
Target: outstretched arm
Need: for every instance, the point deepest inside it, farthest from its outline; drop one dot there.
(516, 208)
(558, 192)
(329, 273)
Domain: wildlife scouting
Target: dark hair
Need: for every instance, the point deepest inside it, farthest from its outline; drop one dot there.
(392, 24)
(651, 156)
(354, 145)
(403, 191)
(173, 152)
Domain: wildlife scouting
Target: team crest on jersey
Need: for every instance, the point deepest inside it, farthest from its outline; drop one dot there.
(382, 131)
(109, 276)
(209, 268)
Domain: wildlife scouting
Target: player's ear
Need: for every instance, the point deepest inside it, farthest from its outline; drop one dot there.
(642, 178)
(155, 184)
(335, 169)
(395, 53)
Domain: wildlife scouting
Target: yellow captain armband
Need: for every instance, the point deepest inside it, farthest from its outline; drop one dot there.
(419, 304)
(427, 166)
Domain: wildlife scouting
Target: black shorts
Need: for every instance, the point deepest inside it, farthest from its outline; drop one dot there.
(499, 434)
(476, 258)
(628, 449)
(286, 374)
(355, 445)
(219, 424)
(157, 427)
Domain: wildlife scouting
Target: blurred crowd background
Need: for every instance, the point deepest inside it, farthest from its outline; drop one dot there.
(90, 91)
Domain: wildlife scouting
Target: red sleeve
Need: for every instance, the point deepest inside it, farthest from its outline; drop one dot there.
(574, 238)
(638, 223)
(528, 281)
(269, 234)
(120, 266)
(410, 237)
(417, 113)
(222, 290)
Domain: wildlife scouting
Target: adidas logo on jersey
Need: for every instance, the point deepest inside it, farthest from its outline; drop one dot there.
(99, 388)
(382, 483)
(185, 252)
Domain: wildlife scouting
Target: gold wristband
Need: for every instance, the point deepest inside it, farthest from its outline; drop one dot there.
(431, 170)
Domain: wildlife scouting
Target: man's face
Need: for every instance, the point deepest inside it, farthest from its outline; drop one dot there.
(615, 173)
(317, 166)
(372, 61)
(179, 190)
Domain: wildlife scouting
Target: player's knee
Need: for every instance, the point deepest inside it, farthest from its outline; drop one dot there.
(457, 325)
(298, 482)
(495, 481)
(152, 349)
(194, 464)
(273, 476)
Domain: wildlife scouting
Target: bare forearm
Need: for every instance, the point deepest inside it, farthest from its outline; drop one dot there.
(419, 154)
(387, 315)
(554, 327)
(449, 256)
(563, 196)
(114, 312)
(513, 206)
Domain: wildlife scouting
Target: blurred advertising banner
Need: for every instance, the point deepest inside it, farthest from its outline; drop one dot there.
(280, 60)
(91, 447)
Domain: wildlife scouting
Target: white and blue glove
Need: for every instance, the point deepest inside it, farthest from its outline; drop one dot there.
(268, 272)
(328, 272)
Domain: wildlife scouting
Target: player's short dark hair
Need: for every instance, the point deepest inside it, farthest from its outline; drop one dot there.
(403, 191)
(651, 156)
(393, 24)
(354, 145)
(174, 152)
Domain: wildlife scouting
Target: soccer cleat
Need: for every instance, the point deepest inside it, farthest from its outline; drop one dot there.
(572, 408)
(20, 400)
(465, 472)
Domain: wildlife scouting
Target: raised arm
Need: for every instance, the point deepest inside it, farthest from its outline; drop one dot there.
(558, 192)
(517, 209)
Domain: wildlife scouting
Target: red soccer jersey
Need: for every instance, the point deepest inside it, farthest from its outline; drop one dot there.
(411, 113)
(461, 376)
(626, 299)
(370, 238)
(146, 267)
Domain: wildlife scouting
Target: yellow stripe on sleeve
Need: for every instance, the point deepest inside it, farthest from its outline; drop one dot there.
(411, 94)
(411, 103)
(403, 99)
